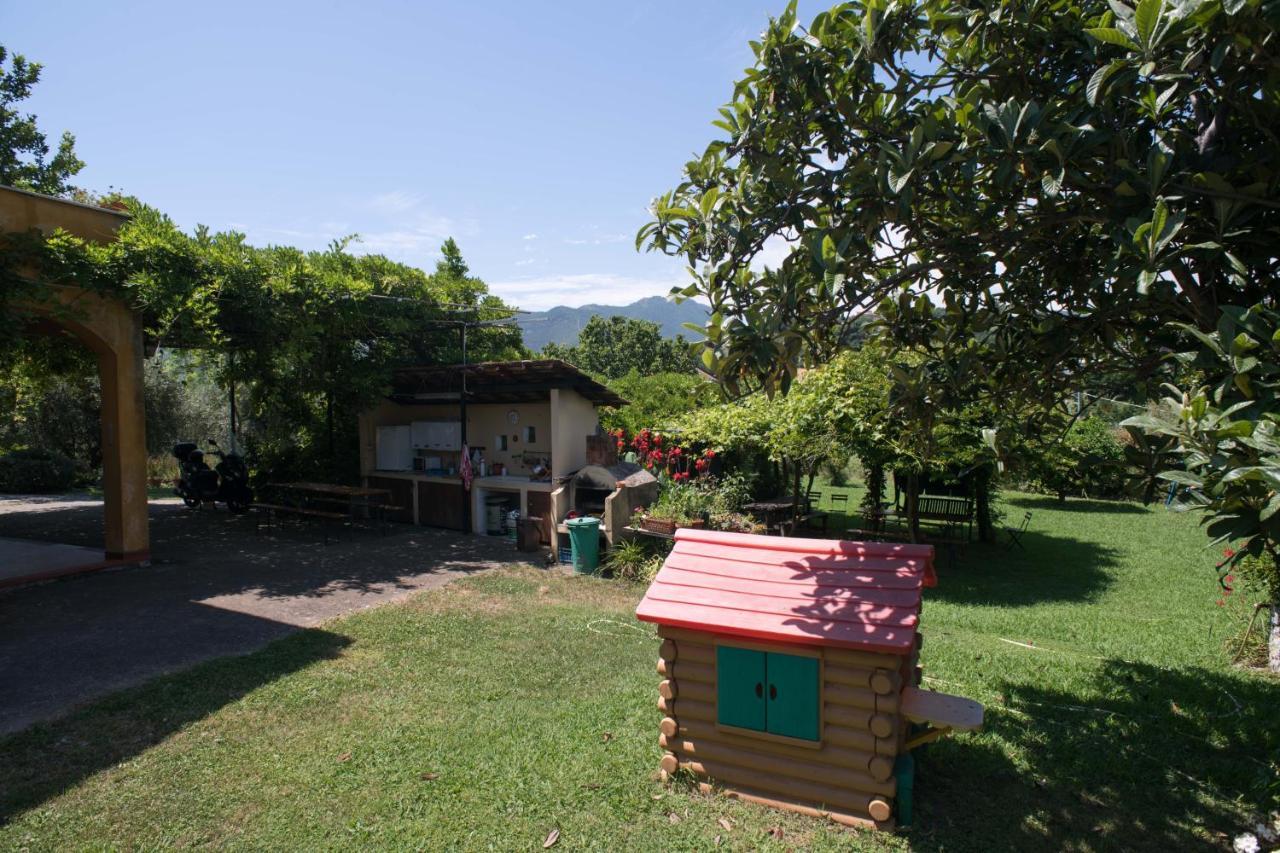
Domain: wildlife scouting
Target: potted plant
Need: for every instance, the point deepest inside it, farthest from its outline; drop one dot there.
(680, 504)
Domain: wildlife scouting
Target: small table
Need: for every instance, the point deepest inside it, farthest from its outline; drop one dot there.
(771, 512)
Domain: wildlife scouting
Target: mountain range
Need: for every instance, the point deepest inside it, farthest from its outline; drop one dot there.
(561, 324)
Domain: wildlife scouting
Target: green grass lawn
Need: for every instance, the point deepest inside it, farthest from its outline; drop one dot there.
(486, 714)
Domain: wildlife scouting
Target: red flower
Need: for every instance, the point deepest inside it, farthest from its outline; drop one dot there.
(1221, 602)
(710, 454)
(621, 444)
(1228, 552)
(1229, 578)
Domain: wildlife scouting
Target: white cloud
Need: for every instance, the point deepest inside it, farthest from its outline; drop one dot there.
(396, 201)
(604, 239)
(542, 292)
(529, 237)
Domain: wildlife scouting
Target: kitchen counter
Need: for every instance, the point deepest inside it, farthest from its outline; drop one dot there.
(418, 475)
(505, 481)
(511, 481)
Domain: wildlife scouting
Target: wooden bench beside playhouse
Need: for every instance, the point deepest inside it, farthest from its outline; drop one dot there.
(790, 671)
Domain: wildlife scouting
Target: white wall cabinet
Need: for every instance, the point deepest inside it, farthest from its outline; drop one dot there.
(437, 435)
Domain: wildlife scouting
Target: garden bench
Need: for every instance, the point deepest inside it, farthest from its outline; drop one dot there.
(949, 511)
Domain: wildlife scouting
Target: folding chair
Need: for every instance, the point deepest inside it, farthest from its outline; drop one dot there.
(840, 501)
(1015, 533)
(815, 498)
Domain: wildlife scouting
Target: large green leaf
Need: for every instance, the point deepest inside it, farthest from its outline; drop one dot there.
(1098, 81)
(1145, 18)
(1111, 35)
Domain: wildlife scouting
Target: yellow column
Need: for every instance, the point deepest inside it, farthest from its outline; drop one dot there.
(124, 444)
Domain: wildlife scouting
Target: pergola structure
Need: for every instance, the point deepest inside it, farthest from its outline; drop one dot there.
(113, 332)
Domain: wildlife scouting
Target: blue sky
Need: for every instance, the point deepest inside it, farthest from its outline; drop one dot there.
(533, 133)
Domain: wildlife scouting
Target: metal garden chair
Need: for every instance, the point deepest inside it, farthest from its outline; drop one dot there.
(1015, 533)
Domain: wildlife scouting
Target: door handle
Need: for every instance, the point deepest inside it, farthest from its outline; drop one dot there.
(759, 690)
(773, 691)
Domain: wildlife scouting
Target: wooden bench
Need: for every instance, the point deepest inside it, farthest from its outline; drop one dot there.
(270, 511)
(949, 511)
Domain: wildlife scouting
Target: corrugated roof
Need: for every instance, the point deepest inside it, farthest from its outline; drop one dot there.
(859, 595)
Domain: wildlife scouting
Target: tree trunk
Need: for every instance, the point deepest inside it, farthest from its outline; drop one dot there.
(1149, 491)
(328, 416)
(1273, 640)
(795, 497)
(875, 486)
(913, 505)
(982, 504)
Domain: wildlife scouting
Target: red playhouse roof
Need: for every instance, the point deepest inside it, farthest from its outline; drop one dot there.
(858, 595)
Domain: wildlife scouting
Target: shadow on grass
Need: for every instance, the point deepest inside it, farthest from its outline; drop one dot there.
(1049, 503)
(1046, 569)
(1169, 760)
(47, 759)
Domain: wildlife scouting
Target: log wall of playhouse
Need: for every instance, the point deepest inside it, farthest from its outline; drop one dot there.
(790, 671)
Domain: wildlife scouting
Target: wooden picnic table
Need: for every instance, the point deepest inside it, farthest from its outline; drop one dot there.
(353, 499)
(777, 514)
(332, 489)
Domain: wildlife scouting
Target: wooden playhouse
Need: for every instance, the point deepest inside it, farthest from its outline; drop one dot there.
(790, 671)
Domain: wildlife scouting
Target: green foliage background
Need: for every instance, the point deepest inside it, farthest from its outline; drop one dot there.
(308, 338)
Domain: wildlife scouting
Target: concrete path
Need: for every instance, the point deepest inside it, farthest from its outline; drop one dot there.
(21, 558)
(215, 588)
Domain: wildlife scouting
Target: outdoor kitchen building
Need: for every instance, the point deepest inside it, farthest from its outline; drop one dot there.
(534, 423)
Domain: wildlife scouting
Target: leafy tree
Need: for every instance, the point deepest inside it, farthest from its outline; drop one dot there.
(451, 264)
(656, 401)
(1088, 461)
(24, 150)
(830, 413)
(1030, 145)
(1147, 456)
(1226, 437)
(614, 346)
(1025, 196)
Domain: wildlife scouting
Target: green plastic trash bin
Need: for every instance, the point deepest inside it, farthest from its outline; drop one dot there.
(584, 538)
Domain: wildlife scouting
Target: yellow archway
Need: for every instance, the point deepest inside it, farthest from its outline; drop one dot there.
(113, 333)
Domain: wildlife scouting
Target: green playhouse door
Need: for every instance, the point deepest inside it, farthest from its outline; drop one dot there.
(793, 695)
(740, 677)
(767, 692)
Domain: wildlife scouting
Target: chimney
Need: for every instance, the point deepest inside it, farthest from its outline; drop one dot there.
(602, 450)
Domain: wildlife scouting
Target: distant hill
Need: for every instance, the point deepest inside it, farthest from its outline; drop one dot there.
(561, 324)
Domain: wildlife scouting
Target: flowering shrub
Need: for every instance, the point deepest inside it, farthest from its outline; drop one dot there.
(662, 454)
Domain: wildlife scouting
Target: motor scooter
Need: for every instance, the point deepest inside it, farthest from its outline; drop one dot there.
(228, 481)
